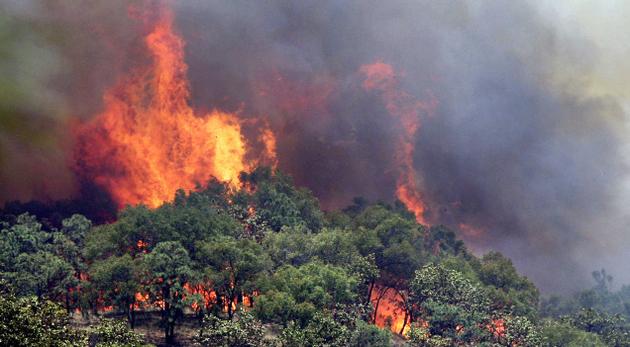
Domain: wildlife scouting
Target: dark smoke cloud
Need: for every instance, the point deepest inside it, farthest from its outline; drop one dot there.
(515, 149)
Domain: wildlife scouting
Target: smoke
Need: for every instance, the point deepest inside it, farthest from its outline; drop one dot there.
(527, 143)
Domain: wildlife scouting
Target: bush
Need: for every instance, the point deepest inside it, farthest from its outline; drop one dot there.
(242, 331)
(113, 333)
(322, 330)
(28, 321)
(555, 333)
(368, 335)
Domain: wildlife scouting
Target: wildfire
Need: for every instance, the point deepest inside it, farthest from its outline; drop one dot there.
(407, 110)
(148, 142)
(388, 310)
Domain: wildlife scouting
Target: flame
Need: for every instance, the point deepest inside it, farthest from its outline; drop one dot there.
(381, 77)
(148, 142)
(268, 138)
(390, 312)
(497, 327)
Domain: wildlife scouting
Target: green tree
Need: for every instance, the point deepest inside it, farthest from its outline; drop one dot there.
(279, 203)
(311, 286)
(368, 335)
(43, 274)
(113, 333)
(613, 329)
(556, 333)
(244, 331)
(453, 306)
(233, 267)
(167, 269)
(509, 291)
(118, 281)
(28, 321)
(322, 330)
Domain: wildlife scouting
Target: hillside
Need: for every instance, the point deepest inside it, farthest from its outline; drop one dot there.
(265, 265)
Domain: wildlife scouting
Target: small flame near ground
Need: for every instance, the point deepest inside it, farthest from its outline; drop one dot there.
(148, 142)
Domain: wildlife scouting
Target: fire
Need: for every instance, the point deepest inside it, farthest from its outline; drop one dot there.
(148, 142)
(388, 310)
(268, 138)
(407, 110)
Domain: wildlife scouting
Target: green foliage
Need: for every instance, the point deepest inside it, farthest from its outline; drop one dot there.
(613, 329)
(368, 335)
(435, 283)
(42, 274)
(113, 333)
(233, 266)
(457, 312)
(28, 321)
(44, 263)
(509, 291)
(294, 293)
(117, 279)
(243, 331)
(279, 203)
(556, 333)
(309, 278)
(601, 298)
(322, 330)
(421, 337)
(520, 331)
(167, 270)
(288, 247)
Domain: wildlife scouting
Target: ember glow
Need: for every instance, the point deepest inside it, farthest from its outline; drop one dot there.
(403, 107)
(148, 142)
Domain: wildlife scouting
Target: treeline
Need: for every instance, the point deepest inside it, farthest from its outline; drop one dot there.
(264, 265)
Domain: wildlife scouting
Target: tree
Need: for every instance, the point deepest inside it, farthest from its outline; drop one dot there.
(309, 287)
(279, 203)
(244, 331)
(509, 291)
(28, 321)
(368, 335)
(288, 246)
(42, 274)
(452, 305)
(167, 269)
(75, 228)
(556, 333)
(25, 236)
(113, 333)
(233, 267)
(322, 330)
(613, 329)
(118, 280)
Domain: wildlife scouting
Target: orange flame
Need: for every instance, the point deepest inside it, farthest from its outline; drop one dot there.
(407, 110)
(148, 142)
(390, 312)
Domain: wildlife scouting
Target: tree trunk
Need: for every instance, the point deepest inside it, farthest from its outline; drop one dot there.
(370, 289)
(402, 329)
(166, 314)
(378, 301)
(229, 307)
(131, 315)
(68, 301)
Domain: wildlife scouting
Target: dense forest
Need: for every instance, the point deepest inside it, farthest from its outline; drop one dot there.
(265, 266)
